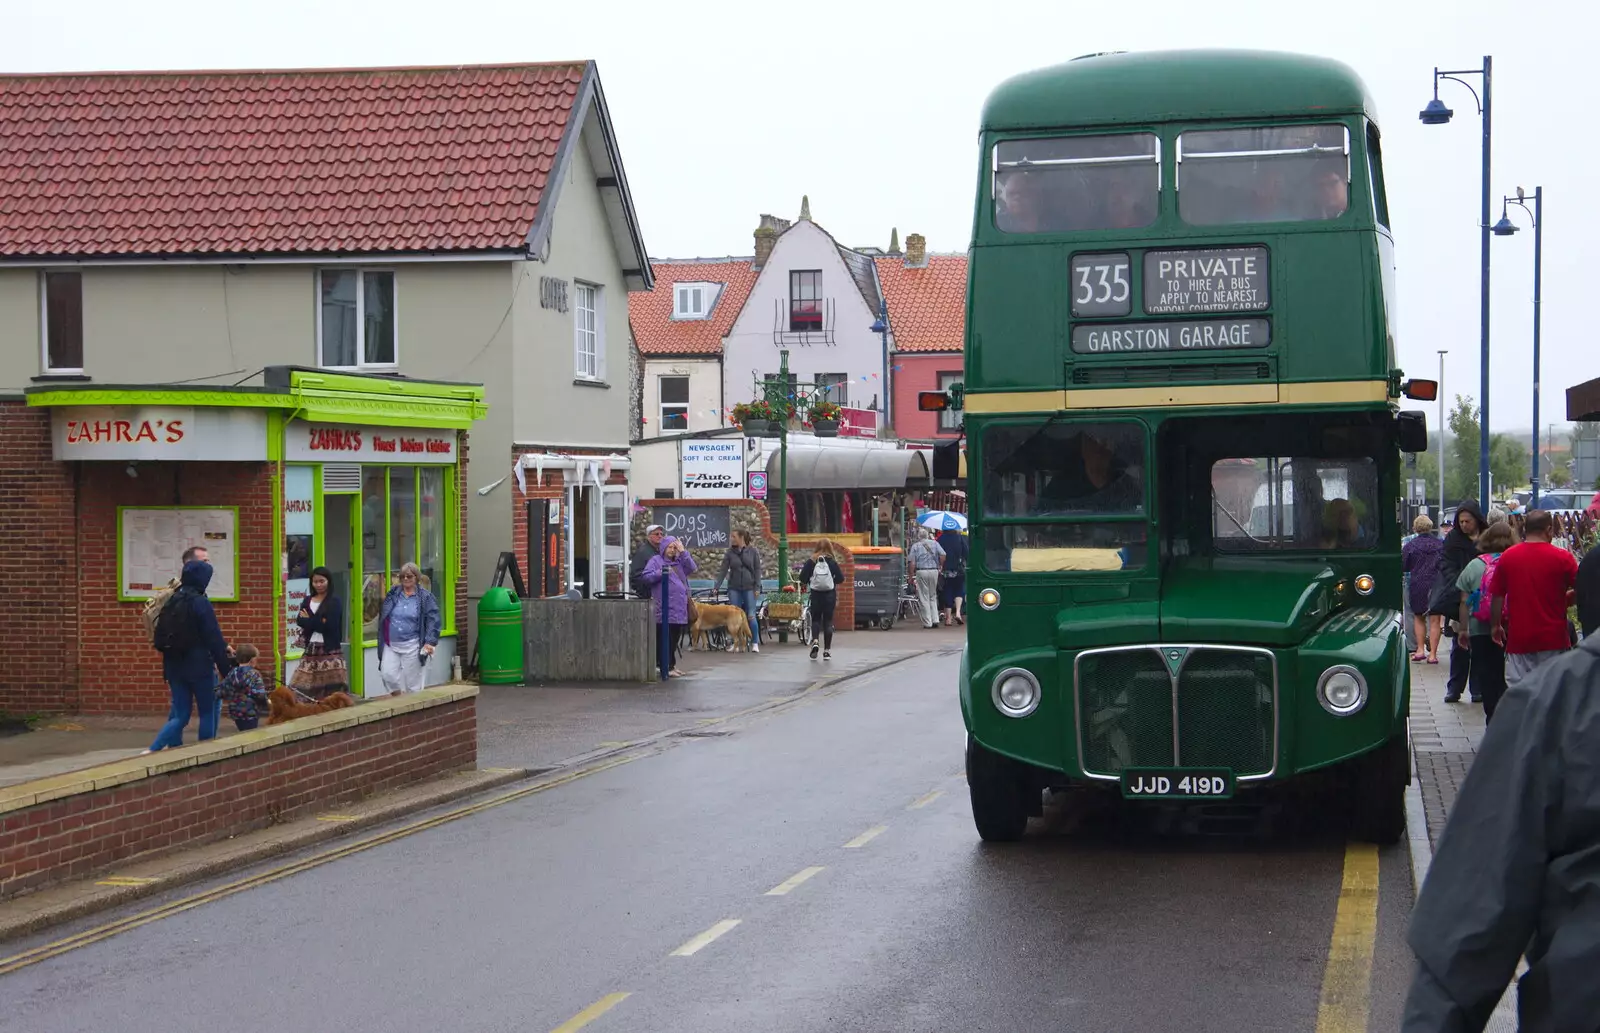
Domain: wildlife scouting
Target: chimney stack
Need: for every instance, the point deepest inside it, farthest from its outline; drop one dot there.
(916, 251)
(767, 235)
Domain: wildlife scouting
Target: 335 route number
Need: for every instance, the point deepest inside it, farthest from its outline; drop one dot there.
(1101, 285)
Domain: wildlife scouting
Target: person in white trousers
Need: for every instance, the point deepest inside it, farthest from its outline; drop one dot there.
(408, 632)
(927, 559)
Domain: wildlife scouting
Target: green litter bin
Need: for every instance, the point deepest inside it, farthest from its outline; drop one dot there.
(499, 638)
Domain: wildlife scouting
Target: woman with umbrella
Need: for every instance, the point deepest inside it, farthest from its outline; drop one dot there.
(953, 575)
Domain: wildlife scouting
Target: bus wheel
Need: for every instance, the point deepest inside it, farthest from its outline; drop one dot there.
(999, 788)
(1379, 798)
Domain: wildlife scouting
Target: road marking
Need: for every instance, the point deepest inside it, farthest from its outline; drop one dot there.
(123, 880)
(589, 1014)
(782, 889)
(1347, 980)
(336, 817)
(699, 942)
(925, 799)
(866, 837)
(47, 951)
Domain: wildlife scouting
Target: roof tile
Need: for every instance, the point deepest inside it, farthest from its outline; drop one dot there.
(927, 304)
(650, 312)
(331, 161)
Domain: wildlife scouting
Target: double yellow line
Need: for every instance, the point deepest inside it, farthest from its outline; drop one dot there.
(176, 907)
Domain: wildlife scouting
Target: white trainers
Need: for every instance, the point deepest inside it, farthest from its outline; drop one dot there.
(755, 647)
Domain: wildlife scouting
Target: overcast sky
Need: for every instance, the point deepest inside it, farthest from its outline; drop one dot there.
(728, 110)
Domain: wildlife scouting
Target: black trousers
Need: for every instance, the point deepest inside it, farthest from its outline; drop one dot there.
(822, 607)
(1460, 669)
(1488, 673)
(677, 632)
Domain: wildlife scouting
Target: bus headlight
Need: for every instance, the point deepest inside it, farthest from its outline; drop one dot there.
(1365, 584)
(1015, 692)
(989, 599)
(1342, 691)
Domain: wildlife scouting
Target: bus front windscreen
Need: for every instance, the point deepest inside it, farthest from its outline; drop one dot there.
(1064, 496)
(1294, 503)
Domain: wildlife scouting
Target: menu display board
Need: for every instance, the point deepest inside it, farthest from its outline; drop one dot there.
(151, 543)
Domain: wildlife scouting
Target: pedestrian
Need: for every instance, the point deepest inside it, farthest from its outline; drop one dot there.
(1517, 869)
(822, 576)
(1488, 673)
(1532, 588)
(1420, 557)
(672, 567)
(647, 550)
(741, 569)
(952, 576)
(193, 656)
(408, 632)
(243, 691)
(925, 560)
(1460, 548)
(1587, 587)
(322, 669)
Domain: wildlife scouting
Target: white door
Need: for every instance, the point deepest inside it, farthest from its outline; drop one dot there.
(610, 524)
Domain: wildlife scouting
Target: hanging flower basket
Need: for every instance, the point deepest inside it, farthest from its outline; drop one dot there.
(825, 419)
(755, 428)
(825, 428)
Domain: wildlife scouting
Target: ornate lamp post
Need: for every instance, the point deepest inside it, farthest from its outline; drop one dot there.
(1505, 228)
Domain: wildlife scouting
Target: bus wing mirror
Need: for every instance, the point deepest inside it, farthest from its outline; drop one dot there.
(1413, 431)
(1421, 390)
(933, 401)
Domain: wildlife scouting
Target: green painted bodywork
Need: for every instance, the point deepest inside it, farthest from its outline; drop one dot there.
(1331, 313)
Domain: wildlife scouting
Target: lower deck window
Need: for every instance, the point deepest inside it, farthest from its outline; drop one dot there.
(1087, 546)
(1284, 503)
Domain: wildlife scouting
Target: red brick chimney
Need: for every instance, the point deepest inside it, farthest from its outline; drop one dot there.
(916, 251)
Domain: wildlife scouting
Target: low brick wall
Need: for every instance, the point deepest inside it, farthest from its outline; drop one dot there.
(82, 822)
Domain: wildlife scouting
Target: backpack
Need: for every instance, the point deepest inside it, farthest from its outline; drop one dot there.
(174, 630)
(153, 607)
(822, 577)
(1482, 597)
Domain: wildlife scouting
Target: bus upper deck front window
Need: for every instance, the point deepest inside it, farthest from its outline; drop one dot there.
(1266, 174)
(1065, 184)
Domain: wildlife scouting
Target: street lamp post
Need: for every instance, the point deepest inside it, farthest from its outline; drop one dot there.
(1505, 228)
(1442, 353)
(787, 400)
(880, 326)
(1436, 113)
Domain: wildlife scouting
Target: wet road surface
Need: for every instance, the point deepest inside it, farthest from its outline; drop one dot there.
(809, 868)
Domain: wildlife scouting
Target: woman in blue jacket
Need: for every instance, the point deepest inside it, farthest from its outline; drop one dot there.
(194, 666)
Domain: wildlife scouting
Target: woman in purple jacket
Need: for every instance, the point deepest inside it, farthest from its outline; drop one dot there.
(672, 565)
(1420, 558)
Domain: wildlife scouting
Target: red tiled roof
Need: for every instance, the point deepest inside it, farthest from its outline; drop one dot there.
(927, 305)
(650, 312)
(377, 160)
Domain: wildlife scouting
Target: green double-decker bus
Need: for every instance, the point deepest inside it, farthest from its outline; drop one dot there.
(1184, 439)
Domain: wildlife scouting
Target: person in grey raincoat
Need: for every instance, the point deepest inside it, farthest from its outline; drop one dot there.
(1518, 867)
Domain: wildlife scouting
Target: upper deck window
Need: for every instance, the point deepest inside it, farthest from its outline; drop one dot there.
(1066, 184)
(1266, 174)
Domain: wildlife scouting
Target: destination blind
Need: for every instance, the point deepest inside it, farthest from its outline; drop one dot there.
(1177, 335)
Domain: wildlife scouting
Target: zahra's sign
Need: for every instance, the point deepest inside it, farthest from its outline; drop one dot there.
(1177, 336)
(1216, 280)
(713, 469)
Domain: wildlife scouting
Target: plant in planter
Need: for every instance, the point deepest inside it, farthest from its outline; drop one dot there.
(783, 606)
(825, 419)
(755, 417)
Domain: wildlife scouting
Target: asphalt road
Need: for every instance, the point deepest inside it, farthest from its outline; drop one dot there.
(812, 868)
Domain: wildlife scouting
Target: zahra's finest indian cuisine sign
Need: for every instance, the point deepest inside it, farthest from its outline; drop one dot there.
(340, 443)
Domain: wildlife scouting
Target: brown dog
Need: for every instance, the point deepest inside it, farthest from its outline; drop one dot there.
(284, 707)
(712, 616)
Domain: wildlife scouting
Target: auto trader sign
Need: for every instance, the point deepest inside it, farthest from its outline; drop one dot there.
(712, 469)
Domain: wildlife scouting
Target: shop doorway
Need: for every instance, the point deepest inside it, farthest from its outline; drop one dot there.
(338, 552)
(597, 538)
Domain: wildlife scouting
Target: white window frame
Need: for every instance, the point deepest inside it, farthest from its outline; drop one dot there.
(580, 333)
(44, 326)
(681, 294)
(949, 419)
(361, 320)
(662, 403)
(843, 381)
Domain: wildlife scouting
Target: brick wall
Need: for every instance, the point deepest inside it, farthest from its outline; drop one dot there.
(86, 832)
(120, 670)
(38, 567)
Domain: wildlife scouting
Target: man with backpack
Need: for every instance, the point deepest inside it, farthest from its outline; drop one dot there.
(1533, 585)
(193, 656)
(1487, 676)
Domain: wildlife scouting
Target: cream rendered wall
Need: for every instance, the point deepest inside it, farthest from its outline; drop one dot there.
(551, 408)
(856, 350)
(705, 394)
(19, 329)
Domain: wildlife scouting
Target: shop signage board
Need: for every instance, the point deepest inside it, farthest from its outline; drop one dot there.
(151, 543)
(858, 423)
(149, 433)
(700, 527)
(712, 469)
(347, 443)
(758, 484)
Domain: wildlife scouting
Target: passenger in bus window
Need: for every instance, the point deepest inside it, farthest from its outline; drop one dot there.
(1018, 203)
(1332, 194)
(1340, 527)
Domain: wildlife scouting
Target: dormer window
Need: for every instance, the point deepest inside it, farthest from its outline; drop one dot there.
(694, 300)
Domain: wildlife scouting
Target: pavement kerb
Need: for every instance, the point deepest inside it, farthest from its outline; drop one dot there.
(18, 918)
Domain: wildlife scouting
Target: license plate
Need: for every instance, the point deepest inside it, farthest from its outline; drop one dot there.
(1177, 784)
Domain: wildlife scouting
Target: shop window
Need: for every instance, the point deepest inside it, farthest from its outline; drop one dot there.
(299, 546)
(674, 403)
(63, 322)
(589, 329)
(357, 325)
(374, 547)
(430, 528)
(403, 521)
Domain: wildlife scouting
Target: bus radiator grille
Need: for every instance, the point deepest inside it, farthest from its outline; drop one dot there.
(1172, 373)
(1124, 710)
(1226, 715)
